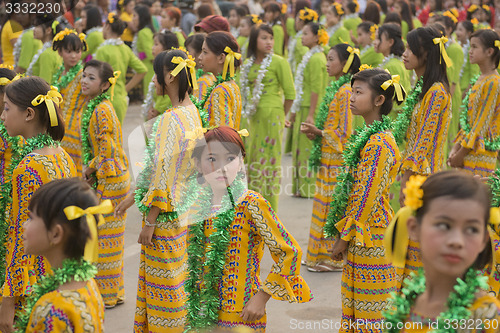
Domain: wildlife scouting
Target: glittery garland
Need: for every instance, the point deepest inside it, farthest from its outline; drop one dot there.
(87, 155)
(458, 303)
(388, 58)
(331, 30)
(400, 125)
(71, 270)
(494, 183)
(45, 46)
(134, 45)
(31, 144)
(149, 100)
(62, 82)
(292, 43)
(92, 30)
(199, 73)
(206, 260)
(111, 41)
(322, 116)
(345, 180)
(251, 100)
(200, 104)
(465, 49)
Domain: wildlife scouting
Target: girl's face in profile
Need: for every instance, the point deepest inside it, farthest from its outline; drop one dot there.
(35, 238)
(219, 165)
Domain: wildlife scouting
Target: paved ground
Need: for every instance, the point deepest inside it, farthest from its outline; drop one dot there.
(320, 315)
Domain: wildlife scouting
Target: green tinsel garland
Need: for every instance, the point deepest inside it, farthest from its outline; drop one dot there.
(492, 145)
(345, 180)
(400, 125)
(322, 116)
(31, 144)
(67, 78)
(71, 270)
(87, 155)
(200, 105)
(457, 305)
(494, 183)
(206, 259)
(199, 73)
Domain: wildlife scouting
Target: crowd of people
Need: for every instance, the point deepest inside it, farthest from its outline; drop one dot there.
(389, 109)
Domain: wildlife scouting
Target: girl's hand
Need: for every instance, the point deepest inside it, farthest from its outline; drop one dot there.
(456, 160)
(255, 307)
(88, 175)
(152, 113)
(122, 207)
(146, 235)
(310, 130)
(338, 252)
(289, 123)
(7, 310)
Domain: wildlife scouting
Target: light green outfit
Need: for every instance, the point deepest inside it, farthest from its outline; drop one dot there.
(279, 39)
(290, 27)
(339, 36)
(162, 103)
(29, 47)
(369, 57)
(416, 23)
(456, 55)
(266, 129)
(180, 37)
(145, 46)
(120, 57)
(241, 40)
(47, 64)
(315, 80)
(94, 40)
(351, 23)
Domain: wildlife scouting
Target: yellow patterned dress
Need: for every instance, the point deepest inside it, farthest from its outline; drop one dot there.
(368, 276)
(71, 111)
(5, 153)
(113, 183)
(77, 311)
(224, 105)
(337, 129)
(204, 82)
(161, 297)
(256, 224)
(483, 117)
(22, 270)
(425, 152)
(484, 318)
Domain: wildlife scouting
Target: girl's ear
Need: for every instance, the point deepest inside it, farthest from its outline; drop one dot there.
(221, 58)
(105, 85)
(169, 78)
(490, 51)
(391, 42)
(413, 228)
(30, 114)
(379, 100)
(56, 234)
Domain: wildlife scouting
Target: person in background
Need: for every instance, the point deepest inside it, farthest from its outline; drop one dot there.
(11, 30)
(26, 45)
(125, 9)
(212, 23)
(236, 14)
(171, 20)
(90, 23)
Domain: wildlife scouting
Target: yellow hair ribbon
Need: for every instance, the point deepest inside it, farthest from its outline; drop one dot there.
(486, 7)
(396, 237)
(7, 66)
(52, 96)
(352, 51)
(91, 253)
(111, 17)
(189, 64)
(441, 41)
(494, 216)
(5, 81)
(243, 132)
(397, 87)
(229, 62)
(120, 2)
(450, 15)
(113, 80)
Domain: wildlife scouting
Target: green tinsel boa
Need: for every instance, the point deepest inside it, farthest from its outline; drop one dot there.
(400, 125)
(63, 82)
(200, 104)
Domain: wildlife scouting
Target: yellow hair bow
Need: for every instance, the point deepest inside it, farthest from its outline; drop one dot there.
(7, 66)
(189, 64)
(111, 17)
(397, 87)
(5, 81)
(486, 7)
(74, 212)
(120, 2)
(339, 9)
(52, 96)
(441, 41)
(113, 80)
(352, 51)
(229, 62)
(60, 35)
(494, 216)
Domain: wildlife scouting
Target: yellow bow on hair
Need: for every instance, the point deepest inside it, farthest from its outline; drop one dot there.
(486, 7)
(229, 62)
(7, 66)
(441, 41)
(91, 253)
(397, 87)
(52, 96)
(5, 81)
(113, 80)
(61, 34)
(494, 216)
(352, 51)
(189, 64)
(111, 18)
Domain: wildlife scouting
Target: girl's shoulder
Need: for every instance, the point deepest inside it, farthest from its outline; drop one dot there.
(344, 89)
(146, 32)
(383, 139)
(437, 88)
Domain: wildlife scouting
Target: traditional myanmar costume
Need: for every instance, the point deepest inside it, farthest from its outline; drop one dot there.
(456, 55)
(79, 311)
(11, 30)
(142, 47)
(224, 105)
(266, 126)
(25, 49)
(369, 57)
(337, 129)
(45, 63)
(205, 81)
(368, 276)
(120, 57)
(279, 38)
(94, 39)
(351, 22)
(338, 35)
(483, 118)
(113, 183)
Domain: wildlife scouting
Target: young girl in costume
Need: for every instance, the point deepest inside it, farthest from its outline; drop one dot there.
(367, 33)
(6, 142)
(26, 45)
(155, 104)
(230, 294)
(69, 45)
(125, 9)
(31, 110)
(11, 31)
(236, 14)
(273, 17)
(402, 7)
(360, 210)
(334, 27)
(142, 44)
(468, 70)
(62, 215)
(448, 215)
(265, 112)
(246, 26)
(296, 50)
(310, 83)
(477, 144)
(330, 131)
(160, 297)
(120, 57)
(46, 61)
(91, 22)
(171, 21)
(425, 119)
(351, 20)
(106, 169)
(194, 45)
(222, 100)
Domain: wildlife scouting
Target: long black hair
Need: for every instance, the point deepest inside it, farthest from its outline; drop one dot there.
(254, 35)
(94, 18)
(144, 18)
(343, 54)
(393, 31)
(163, 63)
